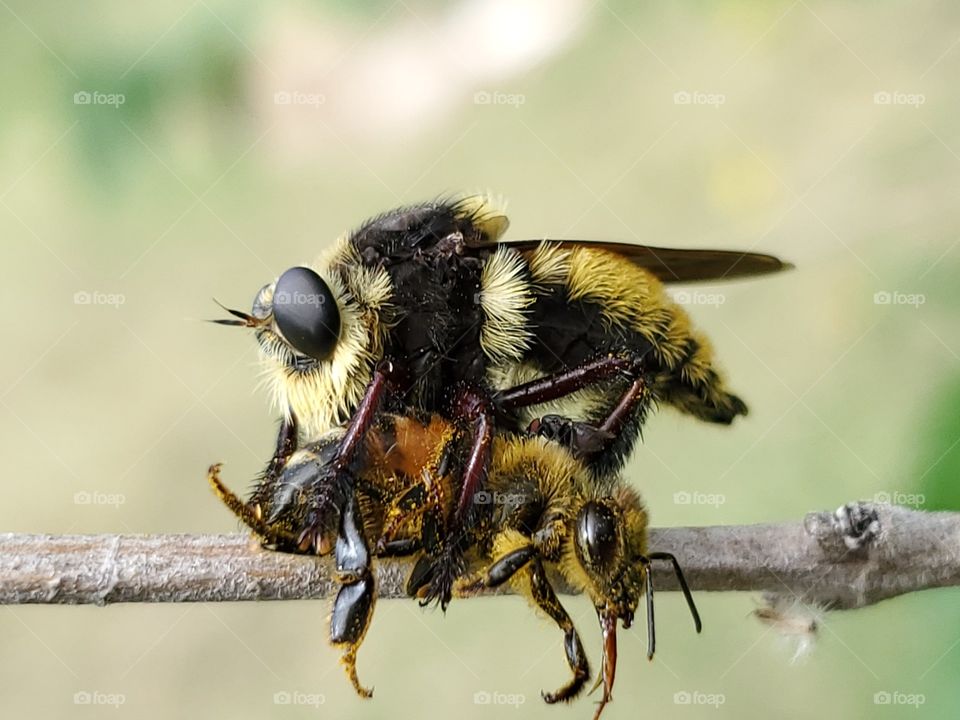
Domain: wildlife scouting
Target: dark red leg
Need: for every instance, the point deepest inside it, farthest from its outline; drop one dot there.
(384, 375)
(331, 485)
(473, 406)
(585, 439)
(558, 385)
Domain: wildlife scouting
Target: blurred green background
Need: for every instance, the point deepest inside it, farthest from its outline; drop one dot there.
(155, 156)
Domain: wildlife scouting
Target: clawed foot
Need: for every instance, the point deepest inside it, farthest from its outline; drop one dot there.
(582, 439)
(433, 577)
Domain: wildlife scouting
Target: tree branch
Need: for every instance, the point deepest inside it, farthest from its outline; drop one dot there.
(857, 556)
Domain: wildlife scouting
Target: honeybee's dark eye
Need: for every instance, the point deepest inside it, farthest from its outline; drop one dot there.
(306, 312)
(597, 535)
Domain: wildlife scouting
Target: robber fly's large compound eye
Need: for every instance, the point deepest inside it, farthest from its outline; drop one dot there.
(597, 536)
(306, 312)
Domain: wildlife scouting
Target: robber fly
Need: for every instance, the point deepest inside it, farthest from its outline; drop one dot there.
(542, 512)
(426, 309)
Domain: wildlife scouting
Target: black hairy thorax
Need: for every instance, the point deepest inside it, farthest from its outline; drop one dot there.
(434, 258)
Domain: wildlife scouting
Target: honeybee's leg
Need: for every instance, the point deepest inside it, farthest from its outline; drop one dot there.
(402, 511)
(250, 512)
(522, 567)
(247, 513)
(353, 606)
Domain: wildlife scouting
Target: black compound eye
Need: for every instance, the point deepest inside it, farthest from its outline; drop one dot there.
(306, 312)
(597, 535)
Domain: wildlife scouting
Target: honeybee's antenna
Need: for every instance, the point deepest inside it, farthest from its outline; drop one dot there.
(246, 320)
(683, 586)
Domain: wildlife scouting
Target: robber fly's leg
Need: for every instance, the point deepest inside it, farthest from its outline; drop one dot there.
(353, 606)
(334, 481)
(558, 385)
(384, 375)
(473, 406)
(538, 589)
(441, 563)
(444, 543)
(583, 439)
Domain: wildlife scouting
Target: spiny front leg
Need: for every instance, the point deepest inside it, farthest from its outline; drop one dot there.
(445, 540)
(353, 606)
(334, 481)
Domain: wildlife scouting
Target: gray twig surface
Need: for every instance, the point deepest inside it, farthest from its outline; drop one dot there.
(857, 556)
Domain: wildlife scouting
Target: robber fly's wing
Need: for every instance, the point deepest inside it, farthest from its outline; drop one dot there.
(676, 265)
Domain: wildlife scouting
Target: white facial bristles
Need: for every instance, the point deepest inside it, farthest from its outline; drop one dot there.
(795, 621)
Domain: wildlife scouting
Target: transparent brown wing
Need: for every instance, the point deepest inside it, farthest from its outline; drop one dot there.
(676, 265)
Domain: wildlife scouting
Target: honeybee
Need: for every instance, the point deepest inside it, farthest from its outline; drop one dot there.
(542, 513)
(425, 309)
